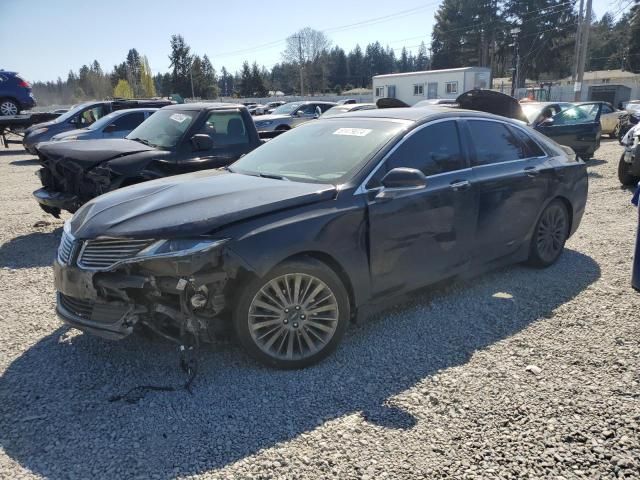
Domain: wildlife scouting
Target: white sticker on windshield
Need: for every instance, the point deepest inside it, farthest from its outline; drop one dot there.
(178, 117)
(353, 132)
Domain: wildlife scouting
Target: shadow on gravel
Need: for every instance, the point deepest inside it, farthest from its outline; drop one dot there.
(596, 163)
(56, 420)
(35, 249)
(29, 162)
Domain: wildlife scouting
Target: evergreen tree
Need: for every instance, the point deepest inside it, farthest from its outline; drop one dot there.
(633, 51)
(180, 58)
(246, 84)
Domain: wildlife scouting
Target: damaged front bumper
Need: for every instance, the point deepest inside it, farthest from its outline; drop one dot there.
(56, 200)
(171, 293)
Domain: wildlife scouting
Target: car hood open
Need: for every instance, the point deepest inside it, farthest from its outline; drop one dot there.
(190, 205)
(490, 101)
(88, 154)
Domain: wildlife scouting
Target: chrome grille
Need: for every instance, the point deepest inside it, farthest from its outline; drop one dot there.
(101, 254)
(66, 248)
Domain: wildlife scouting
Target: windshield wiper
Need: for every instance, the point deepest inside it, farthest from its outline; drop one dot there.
(272, 175)
(143, 141)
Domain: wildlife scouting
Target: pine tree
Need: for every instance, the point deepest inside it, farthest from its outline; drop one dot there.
(180, 58)
(246, 85)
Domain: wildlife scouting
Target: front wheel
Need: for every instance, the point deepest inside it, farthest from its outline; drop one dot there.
(624, 173)
(294, 316)
(550, 235)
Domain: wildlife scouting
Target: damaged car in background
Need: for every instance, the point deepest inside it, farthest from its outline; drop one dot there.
(175, 139)
(287, 244)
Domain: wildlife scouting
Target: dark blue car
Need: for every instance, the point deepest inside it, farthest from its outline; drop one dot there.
(15, 94)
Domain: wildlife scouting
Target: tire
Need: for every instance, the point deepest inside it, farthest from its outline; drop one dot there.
(550, 235)
(9, 107)
(291, 337)
(624, 175)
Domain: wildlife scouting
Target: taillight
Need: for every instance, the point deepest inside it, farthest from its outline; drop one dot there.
(24, 84)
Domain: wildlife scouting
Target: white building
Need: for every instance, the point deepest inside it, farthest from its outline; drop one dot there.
(412, 87)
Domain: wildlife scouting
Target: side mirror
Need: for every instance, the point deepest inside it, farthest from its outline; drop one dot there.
(201, 142)
(404, 179)
(75, 121)
(399, 181)
(547, 122)
(110, 128)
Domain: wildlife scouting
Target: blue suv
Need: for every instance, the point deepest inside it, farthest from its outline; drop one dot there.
(15, 94)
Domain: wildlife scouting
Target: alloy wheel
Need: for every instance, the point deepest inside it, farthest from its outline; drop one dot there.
(552, 232)
(8, 108)
(293, 316)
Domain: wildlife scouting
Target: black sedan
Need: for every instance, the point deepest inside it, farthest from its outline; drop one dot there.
(288, 243)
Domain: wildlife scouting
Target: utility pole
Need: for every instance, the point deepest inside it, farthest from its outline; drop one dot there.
(300, 60)
(576, 53)
(586, 26)
(516, 60)
(191, 75)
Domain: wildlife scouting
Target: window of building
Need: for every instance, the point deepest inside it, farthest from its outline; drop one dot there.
(418, 89)
(379, 91)
(451, 87)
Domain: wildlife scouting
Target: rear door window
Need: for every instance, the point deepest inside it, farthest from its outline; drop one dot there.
(493, 142)
(533, 149)
(226, 128)
(433, 149)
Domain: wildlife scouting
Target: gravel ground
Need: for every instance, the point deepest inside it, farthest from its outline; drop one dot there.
(519, 373)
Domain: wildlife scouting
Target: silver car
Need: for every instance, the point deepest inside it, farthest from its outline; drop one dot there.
(117, 124)
(291, 115)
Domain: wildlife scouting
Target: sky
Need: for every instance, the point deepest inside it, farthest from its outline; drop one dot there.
(44, 39)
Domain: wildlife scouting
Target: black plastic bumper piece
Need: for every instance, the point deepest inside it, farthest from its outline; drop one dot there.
(61, 200)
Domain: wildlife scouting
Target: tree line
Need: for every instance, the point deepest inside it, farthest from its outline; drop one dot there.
(482, 33)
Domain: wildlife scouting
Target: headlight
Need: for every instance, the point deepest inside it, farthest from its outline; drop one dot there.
(38, 131)
(180, 247)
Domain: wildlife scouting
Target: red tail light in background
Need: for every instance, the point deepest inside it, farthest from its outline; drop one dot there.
(23, 83)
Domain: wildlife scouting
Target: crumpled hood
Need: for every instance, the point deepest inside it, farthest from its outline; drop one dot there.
(88, 154)
(190, 205)
(263, 118)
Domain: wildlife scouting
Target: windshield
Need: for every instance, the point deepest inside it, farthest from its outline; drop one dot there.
(330, 151)
(164, 128)
(286, 109)
(70, 113)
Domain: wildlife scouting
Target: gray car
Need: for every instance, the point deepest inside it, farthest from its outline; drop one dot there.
(291, 115)
(115, 125)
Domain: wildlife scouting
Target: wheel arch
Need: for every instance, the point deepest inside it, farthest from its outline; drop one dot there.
(244, 274)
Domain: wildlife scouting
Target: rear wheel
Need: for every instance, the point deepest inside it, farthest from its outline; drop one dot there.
(8, 107)
(624, 173)
(293, 317)
(550, 235)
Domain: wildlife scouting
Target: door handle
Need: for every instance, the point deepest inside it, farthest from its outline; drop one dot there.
(531, 171)
(460, 185)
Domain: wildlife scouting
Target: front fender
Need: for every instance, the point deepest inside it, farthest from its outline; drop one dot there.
(337, 233)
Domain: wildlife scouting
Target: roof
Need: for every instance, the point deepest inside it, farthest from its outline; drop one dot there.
(445, 70)
(204, 105)
(419, 114)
